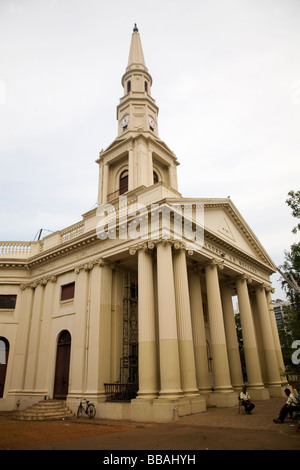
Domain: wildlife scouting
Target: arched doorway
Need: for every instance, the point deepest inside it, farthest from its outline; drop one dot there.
(61, 382)
(4, 350)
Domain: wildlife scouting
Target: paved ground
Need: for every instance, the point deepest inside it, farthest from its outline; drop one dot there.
(216, 429)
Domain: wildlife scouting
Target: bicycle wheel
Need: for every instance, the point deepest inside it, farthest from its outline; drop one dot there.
(80, 411)
(91, 411)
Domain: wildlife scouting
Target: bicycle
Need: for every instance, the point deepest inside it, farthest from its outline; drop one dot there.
(89, 410)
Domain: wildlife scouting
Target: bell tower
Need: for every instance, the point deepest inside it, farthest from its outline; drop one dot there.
(137, 159)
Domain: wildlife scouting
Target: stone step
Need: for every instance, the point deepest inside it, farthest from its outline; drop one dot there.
(45, 410)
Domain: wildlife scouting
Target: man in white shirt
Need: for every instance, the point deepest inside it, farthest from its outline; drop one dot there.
(290, 406)
(246, 402)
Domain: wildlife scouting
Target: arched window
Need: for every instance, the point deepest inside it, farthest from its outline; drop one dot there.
(146, 87)
(4, 350)
(64, 337)
(128, 86)
(123, 182)
(155, 177)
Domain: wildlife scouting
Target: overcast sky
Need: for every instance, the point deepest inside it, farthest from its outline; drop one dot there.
(226, 78)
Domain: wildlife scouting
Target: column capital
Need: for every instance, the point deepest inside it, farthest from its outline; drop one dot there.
(244, 278)
(101, 262)
(196, 267)
(261, 285)
(43, 281)
(213, 262)
(145, 247)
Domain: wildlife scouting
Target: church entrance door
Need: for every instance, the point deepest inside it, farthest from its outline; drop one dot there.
(61, 382)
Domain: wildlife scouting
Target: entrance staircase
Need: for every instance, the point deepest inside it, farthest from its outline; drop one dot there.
(45, 410)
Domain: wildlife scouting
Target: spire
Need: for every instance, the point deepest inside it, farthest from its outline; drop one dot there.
(137, 109)
(136, 56)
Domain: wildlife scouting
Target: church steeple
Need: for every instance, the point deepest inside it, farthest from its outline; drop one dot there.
(136, 55)
(137, 159)
(137, 110)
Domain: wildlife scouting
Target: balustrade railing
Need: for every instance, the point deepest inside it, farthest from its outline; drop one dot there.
(15, 248)
(72, 232)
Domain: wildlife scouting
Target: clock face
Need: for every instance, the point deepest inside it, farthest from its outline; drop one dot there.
(125, 121)
(151, 122)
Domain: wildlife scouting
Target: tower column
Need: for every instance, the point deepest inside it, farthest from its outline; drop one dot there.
(168, 339)
(250, 347)
(231, 338)
(131, 173)
(222, 382)
(273, 376)
(148, 387)
(105, 183)
(184, 324)
(198, 326)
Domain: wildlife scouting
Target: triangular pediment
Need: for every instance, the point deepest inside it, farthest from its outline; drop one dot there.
(224, 224)
(222, 219)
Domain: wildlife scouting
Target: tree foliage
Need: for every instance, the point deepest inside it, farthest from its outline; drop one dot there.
(294, 202)
(289, 331)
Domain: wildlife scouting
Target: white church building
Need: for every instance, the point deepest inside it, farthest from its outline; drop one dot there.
(131, 307)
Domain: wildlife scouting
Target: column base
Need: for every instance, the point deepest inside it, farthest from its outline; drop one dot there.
(144, 395)
(165, 410)
(260, 393)
(222, 399)
(275, 391)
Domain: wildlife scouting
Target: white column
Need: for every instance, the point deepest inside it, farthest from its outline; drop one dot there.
(217, 331)
(231, 338)
(78, 366)
(168, 341)
(198, 327)
(184, 324)
(148, 387)
(22, 341)
(42, 379)
(34, 337)
(273, 376)
(277, 345)
(254, 378)
(99, 336)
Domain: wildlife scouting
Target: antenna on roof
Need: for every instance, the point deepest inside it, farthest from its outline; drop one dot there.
(39, 233)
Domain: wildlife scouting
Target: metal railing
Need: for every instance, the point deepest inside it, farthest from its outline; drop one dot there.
(120, 391)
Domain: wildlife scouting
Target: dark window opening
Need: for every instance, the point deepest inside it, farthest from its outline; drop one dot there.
(123, 182)
(67, 291)
(8, 302)
(146, 87)
(64, 337)
(128, 86)
(155, 177)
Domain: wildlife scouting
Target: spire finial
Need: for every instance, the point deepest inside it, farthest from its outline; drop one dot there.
(135, 28)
